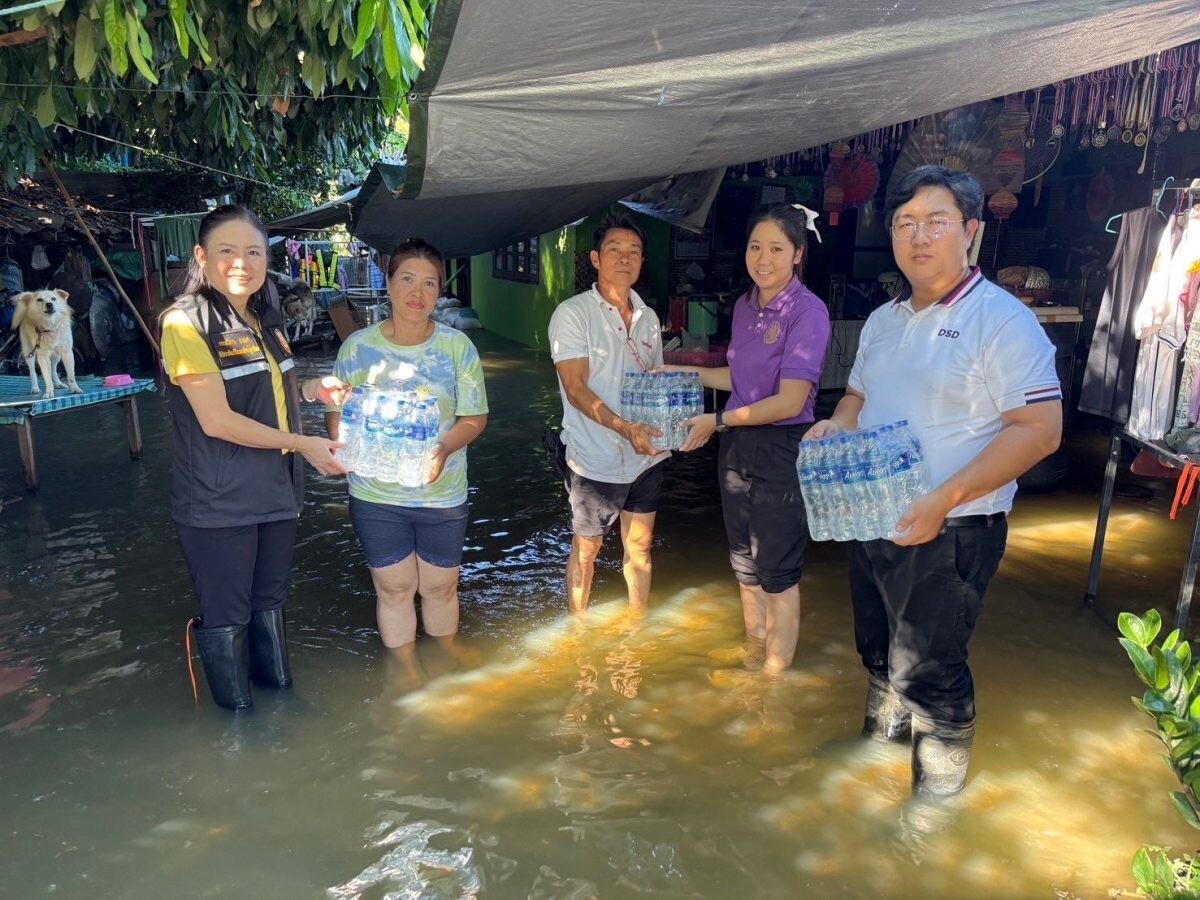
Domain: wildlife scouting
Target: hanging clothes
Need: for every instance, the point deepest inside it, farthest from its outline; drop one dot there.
(1108, 379)
(1183, 436)
(1160, 324)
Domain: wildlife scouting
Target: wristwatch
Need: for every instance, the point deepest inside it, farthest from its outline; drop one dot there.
(721, 426)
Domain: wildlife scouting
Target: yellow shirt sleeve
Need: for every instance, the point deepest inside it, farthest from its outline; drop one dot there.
(184, 351)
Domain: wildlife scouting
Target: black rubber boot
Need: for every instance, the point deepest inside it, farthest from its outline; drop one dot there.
(940, 756)
(225, 653)
(886, 719)
(268, 648)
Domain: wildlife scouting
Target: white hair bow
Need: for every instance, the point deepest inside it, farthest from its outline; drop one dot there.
(810, 219)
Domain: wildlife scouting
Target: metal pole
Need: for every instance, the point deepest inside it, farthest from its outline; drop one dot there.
(1110, 478)
(1184, 605)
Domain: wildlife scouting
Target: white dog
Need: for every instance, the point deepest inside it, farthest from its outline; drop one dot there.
(298, 304)
(43, 319)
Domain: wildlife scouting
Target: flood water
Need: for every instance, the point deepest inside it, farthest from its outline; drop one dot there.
(548, 759)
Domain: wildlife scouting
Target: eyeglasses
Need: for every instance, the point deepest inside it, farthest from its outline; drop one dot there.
(934, 229)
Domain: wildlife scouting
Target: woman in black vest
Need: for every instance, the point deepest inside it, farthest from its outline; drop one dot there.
(238, 480)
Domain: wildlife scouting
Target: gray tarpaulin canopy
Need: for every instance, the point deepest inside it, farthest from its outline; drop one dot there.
(533, 114)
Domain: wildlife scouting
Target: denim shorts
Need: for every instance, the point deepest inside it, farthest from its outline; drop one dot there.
(390, 534)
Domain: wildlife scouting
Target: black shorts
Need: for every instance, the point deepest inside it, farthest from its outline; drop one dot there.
(762, 505)
(597, 505)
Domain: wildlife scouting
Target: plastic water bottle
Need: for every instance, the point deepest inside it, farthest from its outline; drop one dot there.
(828, 486)
(432, 416)
(910, 477)
(878, 518)
(861, 495)
(627, 382)
(675, 433)
(695, 394)
(371, 442)
(414, 443)
(832, 477)
(350, 430)
(391, 412)
(846, 498)
(814, 492)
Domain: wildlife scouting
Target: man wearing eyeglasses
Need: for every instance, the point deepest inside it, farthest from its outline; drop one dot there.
(973, 372)
(614, 472)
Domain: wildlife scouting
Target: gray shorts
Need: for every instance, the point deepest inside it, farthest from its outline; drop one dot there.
(597, 505)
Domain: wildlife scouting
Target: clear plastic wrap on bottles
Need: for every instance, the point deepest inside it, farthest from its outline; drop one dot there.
(858, 486)
(664, 401)
(390, 434)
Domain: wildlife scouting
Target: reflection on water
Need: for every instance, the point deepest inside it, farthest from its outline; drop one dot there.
(540, 756)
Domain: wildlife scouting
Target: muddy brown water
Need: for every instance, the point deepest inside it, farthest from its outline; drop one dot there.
(612, 758)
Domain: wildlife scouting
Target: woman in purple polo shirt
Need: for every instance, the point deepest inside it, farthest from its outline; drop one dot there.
(776, 353)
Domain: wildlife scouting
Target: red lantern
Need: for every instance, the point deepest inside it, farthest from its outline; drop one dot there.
(1002, 204)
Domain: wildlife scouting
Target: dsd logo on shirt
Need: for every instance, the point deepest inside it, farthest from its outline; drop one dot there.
(946, 332)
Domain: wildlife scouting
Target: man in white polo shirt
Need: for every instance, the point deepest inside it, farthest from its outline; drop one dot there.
(972, 371)
(614, 471)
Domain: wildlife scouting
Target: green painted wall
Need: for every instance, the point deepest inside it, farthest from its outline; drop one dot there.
(521, 312)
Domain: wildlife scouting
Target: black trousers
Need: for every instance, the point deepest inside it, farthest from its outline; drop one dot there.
(761, 504)
(915, 609)
(239, 569)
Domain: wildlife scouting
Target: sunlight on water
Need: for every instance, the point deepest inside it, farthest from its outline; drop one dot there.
(544, 756)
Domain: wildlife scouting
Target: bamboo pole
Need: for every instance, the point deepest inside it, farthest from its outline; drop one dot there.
(100, 253)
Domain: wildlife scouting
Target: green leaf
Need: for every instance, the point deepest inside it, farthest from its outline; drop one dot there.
(313, 72)
(1165, 873)
(114, 33)
(138, 50)
(1142, 661)
(1162, 671)
(418, 14)
(368, 14)
(197, 34)
(1171, 640)
(1186, 747)
(1184, 808)
(390, 40)
(1183, 653)
(45, 111)
(1131, 626)
(1143, 870)
(65, 105)
(1153, 624)
(85, 48)
(178, 17)
(1153, 702)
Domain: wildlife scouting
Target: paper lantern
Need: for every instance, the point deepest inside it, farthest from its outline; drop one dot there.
(1008, 168)
(1002, 204)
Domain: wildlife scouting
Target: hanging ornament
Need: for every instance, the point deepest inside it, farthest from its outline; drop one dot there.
(1008, 168)
(859, 180)
(1002, 204)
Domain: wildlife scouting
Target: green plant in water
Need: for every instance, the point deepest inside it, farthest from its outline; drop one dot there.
(1172, 699)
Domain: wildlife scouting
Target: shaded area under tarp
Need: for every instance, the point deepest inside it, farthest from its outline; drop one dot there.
(524, 123)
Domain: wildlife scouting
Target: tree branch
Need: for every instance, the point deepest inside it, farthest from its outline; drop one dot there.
(16, 38)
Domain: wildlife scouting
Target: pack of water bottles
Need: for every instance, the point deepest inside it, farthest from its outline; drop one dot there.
(389, 434)
(857, 486)
(663, 400)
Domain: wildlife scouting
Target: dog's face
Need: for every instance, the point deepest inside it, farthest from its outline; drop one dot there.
(296, 299)
(46, 310)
